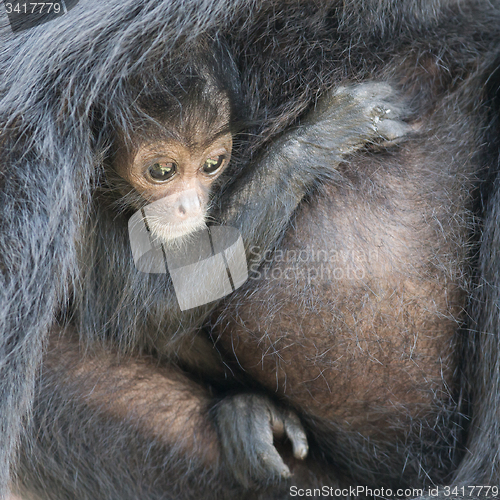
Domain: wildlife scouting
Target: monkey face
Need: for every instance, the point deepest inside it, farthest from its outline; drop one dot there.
(176, 177)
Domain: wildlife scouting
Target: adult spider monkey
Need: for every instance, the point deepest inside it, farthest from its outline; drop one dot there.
(366, 321)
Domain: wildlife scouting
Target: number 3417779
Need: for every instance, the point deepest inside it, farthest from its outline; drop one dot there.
(33, 8)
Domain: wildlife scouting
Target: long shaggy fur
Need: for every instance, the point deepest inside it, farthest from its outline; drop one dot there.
(65, 82)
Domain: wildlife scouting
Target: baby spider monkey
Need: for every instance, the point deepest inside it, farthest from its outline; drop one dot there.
(170, 158)
(181, 145)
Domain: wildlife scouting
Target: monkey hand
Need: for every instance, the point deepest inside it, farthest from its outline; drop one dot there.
(355, 115)
(247, 424)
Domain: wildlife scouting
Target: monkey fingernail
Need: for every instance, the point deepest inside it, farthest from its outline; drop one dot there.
(285, 472)
(300, 451)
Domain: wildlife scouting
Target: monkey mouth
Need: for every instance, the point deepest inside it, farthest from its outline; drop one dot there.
(175, 234)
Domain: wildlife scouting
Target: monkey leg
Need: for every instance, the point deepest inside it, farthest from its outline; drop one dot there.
(121, 429)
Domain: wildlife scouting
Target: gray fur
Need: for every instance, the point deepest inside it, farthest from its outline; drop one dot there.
(63, 81)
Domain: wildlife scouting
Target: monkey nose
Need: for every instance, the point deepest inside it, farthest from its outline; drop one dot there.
(187, 206)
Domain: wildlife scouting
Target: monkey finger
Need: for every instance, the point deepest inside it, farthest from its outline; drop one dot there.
(392, 129)
(272, 462)
(287, 423)
(277, 423)
(297, 436)
(366, 91)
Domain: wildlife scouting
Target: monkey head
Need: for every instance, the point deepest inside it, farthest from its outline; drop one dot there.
(175, 175)
(178, 143)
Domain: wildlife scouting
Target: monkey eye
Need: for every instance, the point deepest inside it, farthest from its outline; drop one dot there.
(211, 165)
(161, 172)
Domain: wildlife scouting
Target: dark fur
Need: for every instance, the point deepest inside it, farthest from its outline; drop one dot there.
(55, 97)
